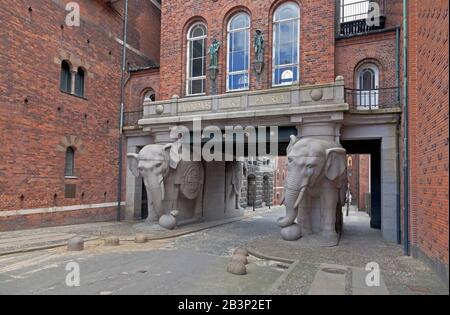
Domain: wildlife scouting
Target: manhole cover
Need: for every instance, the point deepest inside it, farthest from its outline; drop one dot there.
(334, 271)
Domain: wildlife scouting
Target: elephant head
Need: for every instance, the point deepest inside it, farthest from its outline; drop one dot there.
(310, 163)
(153, 164)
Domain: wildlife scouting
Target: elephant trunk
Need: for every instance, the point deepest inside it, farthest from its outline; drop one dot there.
(156, 194)
(292, 200)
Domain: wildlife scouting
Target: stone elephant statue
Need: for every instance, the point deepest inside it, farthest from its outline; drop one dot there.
(315, 189)
(174, 187)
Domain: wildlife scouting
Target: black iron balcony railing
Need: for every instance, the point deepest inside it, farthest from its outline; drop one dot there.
(359, 17)
(382, 98)
(131, 119)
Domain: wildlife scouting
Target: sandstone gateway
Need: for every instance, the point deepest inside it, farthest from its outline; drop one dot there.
(335, 77)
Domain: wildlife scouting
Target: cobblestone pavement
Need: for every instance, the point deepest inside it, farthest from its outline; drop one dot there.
(195, 264)
(359, 246)
(43, 238)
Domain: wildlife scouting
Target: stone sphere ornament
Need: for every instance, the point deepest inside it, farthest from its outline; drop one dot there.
(291, 233)
(236, 268)
(316, 94)
(141, 239)
(159, 109)
(241, 251)
(240, 259)
(75, 244)
(168, 221)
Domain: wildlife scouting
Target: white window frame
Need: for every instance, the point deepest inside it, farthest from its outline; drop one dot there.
(190, 40)
(274, 46)
(229, 32)
(366, 96)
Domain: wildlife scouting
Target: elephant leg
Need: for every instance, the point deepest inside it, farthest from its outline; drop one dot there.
(305, 215)
(153, 216)
(329, 200)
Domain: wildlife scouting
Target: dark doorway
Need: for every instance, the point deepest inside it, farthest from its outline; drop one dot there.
(373, 148)
(144, 204)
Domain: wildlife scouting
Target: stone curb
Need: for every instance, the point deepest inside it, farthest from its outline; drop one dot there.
(38, 248)
(131, 239)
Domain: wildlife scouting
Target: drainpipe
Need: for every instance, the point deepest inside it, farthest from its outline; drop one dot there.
(406, 247)
(122, 97)
(398, 135)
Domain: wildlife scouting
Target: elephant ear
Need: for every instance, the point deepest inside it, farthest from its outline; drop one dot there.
(133, 161)
(336, 163)
(294, 140)
(174, 152)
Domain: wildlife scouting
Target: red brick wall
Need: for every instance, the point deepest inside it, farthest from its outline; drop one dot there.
(139, 83)
(37, 121)
(429, 134)
(393, 10)
(380, 49)
(317, 39)
(364, 180)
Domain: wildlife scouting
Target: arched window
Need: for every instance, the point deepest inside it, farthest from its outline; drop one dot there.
(149, 97)
(66, 77)
(286, 44)
(238, 56)
(368, 78)
(79, 82)
(196, 61)
(70, 162)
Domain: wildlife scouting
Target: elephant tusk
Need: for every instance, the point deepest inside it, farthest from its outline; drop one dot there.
(163, 191)
(300, 198)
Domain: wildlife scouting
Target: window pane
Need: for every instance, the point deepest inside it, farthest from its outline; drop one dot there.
(198, 48)
(238, 53)
(198, 31)
(286, 32)
(197, 68)
(368, 79)
(66, 78)
(197, 86)
(286, 75)
(240, 21)
(238, 81)
(79, 83)
(287, 11)
(197, 61)
(238, 41)
(238, 61)
(286, 44)
(70, 155)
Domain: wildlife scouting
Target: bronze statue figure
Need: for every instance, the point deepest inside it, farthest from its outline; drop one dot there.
(214, 54)
(259, 46)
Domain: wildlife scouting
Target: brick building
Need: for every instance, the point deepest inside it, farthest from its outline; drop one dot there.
(428, 131)
(47, 132)
(59, 107)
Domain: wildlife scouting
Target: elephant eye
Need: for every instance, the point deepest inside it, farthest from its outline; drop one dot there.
(158, 165)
